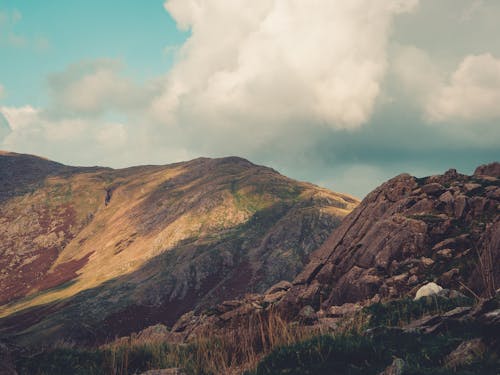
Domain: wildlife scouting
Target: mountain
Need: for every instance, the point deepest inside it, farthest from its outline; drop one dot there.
(91, 253)
(407, 233)
(406, 284)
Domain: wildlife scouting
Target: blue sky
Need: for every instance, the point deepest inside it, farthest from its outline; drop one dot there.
(343, 93)
(57, 33)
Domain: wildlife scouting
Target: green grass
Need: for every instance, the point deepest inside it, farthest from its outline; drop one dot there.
(357, 354)
(356, 351)
(397, 312)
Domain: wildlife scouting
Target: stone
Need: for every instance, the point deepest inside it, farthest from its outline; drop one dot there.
(167, 371)
(446, 197)
(433, 188)
(426, 262)
(466, 353)
(278, 287)
(492, 169)
(396, 368)
(460, 205)
(428, 289)
(445, 253)
(448, 276)
(457, 312)
(423, 324)
(456, 294)
(274, 297)
(307, 314)
(413, 280)
(342, 310)
(471, 187)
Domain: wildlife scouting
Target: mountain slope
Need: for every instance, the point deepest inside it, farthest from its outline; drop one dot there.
(121, 249)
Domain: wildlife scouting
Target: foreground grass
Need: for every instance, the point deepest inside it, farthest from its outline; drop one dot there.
(356, 354)
(267, 344)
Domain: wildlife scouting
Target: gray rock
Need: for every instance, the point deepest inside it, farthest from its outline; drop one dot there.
(467, 352)
(433, 188)
(167, 371)
(307, 314)
(428, 289)
(396, 368)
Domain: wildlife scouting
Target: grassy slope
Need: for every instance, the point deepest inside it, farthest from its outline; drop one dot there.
(191, 217)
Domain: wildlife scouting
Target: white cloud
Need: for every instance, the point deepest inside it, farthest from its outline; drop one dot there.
(112, 135)
(266, 63)
(417, 73)
(471, 94)
(33, 132)
(95, 87)
(2, 91)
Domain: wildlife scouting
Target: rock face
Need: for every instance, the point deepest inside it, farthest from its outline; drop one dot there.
(406, 233)
(90, 253)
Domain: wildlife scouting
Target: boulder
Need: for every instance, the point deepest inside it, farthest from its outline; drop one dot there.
(278, 287)
(167, 371)
(470, 187)
(307, 315)
(428, 289)
(466, 353)
(433, 189)
(396, 368)
(342, 310)
(492, 169)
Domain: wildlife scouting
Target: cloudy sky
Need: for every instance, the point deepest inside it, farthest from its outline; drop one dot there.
(343, 93)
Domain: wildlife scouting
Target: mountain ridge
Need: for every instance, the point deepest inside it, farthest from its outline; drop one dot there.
(93, 226)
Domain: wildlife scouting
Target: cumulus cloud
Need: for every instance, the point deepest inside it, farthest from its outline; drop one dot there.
(31, 131)
(272, 62)
(284, 83)
(471, 94)
(93, 88)
(416, 71)
(467, 95)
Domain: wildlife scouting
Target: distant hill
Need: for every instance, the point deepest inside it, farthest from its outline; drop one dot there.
(90, 253)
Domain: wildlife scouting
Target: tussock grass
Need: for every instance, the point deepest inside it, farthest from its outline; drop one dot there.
(265, 344)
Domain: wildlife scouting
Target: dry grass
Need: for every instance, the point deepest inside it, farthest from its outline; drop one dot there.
(230, 350)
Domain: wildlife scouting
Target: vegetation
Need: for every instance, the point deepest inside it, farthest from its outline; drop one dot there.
(398, 312)
(267, 344)
(357, 354)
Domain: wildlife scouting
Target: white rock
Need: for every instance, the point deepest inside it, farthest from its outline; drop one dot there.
(429, 289)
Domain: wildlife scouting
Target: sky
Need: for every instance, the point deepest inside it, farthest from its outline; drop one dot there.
(341, 93)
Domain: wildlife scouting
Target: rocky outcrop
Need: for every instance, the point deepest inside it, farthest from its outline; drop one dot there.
(491, 170)
(406, 233)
